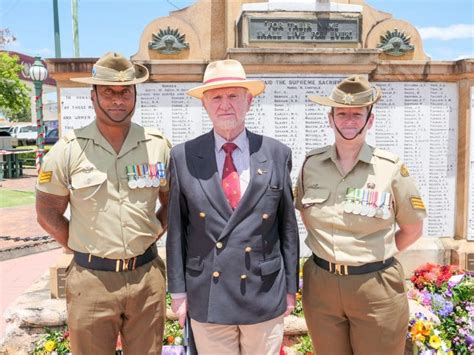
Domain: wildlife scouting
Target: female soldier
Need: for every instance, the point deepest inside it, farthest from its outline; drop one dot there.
(351, 197)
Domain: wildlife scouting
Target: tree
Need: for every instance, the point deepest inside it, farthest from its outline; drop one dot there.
(6, 37)
(14, 95)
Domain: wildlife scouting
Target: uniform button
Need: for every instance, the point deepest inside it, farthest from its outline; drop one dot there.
(248, 249)
(243, 277)
(219, 245)
(202, 214)
(265, 216)
(88, 181)
(215, 274)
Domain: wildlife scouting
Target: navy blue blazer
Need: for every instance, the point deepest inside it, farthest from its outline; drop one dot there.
(235, 266)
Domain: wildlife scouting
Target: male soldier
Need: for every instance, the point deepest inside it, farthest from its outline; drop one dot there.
(111, 173)
(352, 197)
(232, 247)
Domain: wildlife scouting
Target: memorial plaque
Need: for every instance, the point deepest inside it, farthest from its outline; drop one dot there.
(303, 30)
(417, 121)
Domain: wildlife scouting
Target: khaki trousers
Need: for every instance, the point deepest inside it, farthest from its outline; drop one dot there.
(263, 338)
(356, 314)
(102, 304)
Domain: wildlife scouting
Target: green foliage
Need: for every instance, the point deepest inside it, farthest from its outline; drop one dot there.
(173, 333)
(14, 95)
(53, 340)
(304, 346)
(24, 115)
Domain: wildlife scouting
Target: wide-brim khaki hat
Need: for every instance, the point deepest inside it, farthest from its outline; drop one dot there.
(114, 69)
(354, 91)
(223, 74)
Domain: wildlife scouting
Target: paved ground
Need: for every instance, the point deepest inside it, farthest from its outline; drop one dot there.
(17, 274)
(27, 259)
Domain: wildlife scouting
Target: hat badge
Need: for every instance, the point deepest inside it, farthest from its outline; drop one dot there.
(121, 76)
(348, 99)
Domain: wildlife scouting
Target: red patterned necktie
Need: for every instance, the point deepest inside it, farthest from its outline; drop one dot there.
(230, 177)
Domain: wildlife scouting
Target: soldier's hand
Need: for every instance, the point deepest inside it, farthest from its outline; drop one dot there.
(179, 306)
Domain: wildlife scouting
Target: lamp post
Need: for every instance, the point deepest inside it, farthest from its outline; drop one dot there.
(38, 74)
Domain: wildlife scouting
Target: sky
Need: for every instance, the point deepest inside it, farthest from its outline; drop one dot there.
(446, 26)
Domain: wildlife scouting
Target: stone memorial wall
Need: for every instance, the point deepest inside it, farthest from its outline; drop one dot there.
(417, 121)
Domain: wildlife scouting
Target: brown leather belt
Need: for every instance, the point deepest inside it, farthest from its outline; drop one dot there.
(103, 264)
(341, 269)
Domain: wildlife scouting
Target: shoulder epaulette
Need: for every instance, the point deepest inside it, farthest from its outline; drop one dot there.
(154, 132)
(384, 154)
(317, 151)
(157, 133)
(69, 136)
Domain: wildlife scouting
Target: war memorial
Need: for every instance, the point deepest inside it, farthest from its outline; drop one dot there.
(301, 48)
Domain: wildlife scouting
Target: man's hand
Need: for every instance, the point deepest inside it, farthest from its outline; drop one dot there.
(179, 306)
(290, 303)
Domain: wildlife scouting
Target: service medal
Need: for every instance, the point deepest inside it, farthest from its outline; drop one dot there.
(161, 173)
(155, 182)
(386, 206)
(348, 203)
(131, 175)
(148, 182)
(365, 203)
(358, 202)
(372, 203)
(140, 180)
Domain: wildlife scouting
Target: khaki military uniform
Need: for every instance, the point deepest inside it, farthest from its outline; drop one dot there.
(360, 314)
(110, 220)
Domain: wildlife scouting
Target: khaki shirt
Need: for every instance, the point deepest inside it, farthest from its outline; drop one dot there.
(108, 218)
(347, 238)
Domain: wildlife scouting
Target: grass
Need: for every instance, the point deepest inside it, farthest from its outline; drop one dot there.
(12, 198)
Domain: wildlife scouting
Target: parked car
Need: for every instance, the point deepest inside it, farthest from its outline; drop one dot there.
(51, 137)
(26, 134)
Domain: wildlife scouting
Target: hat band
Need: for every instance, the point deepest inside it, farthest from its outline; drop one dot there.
(224, 78)
(360, 98)
(109, 74)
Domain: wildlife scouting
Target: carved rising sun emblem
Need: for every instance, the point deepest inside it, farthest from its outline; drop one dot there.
(395, 43)
(348, 99)
(168, 41)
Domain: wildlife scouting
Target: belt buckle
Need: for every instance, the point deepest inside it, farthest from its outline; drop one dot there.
(339, 269)
(125, 264)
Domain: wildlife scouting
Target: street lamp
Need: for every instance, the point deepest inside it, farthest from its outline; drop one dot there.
(38, 74)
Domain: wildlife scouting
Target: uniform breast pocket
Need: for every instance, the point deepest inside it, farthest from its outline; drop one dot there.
(315, 202)
(315, 197)
(88, 186)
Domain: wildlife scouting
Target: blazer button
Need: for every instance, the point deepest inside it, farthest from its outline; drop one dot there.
(219, 245)
(243, 277)
(248, 249)
(216, 274)
(202, 214)
(265, 216)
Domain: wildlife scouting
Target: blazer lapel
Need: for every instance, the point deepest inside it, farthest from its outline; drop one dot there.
(260, 174)
(205, 167)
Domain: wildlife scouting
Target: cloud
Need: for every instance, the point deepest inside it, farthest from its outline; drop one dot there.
(464, 56)
(459, 31)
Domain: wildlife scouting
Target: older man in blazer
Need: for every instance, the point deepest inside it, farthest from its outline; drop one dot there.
(232, 247)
